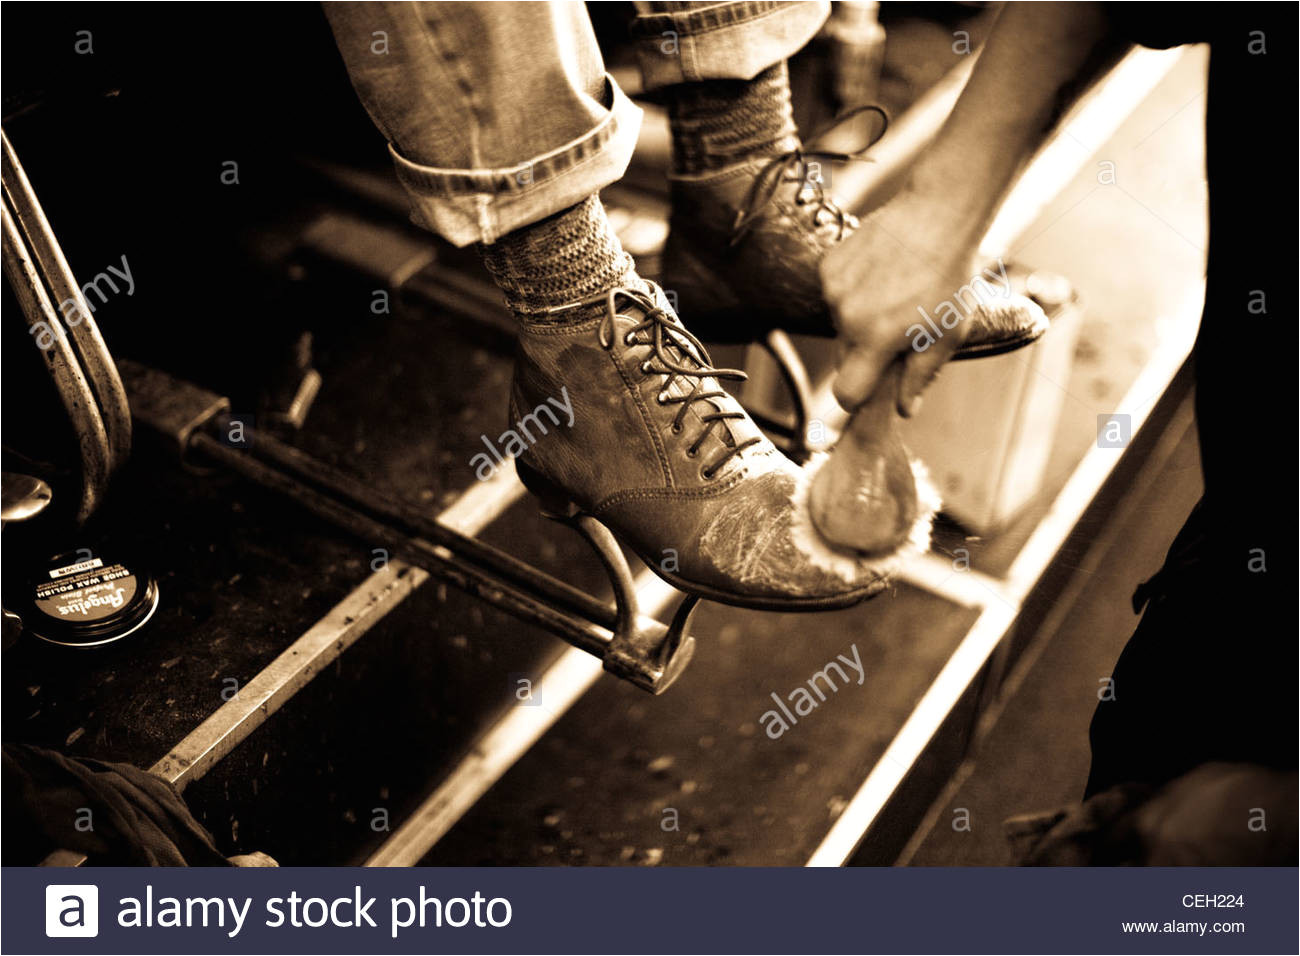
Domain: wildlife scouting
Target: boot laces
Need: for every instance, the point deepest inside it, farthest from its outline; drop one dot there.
(675, 354)
(794, 166)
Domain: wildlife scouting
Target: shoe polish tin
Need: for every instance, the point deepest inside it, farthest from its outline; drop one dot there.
(77, 601)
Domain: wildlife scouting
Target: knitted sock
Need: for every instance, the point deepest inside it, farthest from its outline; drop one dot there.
(718, 123)
(560, 260)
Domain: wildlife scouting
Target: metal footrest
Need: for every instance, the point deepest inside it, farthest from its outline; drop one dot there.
(635, 648)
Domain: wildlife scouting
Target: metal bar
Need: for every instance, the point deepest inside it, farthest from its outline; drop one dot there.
(95, 358)
(321, 644)
(632, 646)
(172, 407)
(292, 670)
(436, 559)
(228, 726)
(63, 366)
(415, 524)
(64, 858)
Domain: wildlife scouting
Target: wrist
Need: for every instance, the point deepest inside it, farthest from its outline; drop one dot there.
(937, 215)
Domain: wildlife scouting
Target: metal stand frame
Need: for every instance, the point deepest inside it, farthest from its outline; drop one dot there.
(632, 646)
(79, 364)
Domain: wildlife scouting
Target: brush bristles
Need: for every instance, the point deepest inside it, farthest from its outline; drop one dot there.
(853, 566)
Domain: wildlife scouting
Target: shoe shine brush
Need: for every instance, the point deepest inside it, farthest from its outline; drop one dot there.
(868, 499)
(866, 505)
(864, 495)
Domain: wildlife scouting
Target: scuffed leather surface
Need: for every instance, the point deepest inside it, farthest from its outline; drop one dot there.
(771, 273)
(621, 462)
(741, 540)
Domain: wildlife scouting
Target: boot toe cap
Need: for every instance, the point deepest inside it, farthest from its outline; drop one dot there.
(750, 545)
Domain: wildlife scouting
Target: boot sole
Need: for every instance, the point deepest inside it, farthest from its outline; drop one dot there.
(999, 346)
(558, 505)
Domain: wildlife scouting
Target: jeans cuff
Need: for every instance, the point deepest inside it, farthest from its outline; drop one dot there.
(689, 42)
(482, 205)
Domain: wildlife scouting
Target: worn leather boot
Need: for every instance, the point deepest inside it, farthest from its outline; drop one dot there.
(655, 450)
(744, 246)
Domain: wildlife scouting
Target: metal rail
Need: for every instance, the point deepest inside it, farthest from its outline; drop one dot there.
(97, 363)
(631, 645)
(414, 524)
(493, 576)
(62, 363)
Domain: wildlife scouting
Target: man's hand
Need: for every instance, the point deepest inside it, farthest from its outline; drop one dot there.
(903, 258)
(918, 249)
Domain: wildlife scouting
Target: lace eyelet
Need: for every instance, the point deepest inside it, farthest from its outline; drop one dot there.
(645, 367)
(706, 474)
(692, 452)
(661, 398)
(677, 428)
(629, 338)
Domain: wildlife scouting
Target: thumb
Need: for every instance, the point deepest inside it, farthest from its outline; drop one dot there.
(858, 375)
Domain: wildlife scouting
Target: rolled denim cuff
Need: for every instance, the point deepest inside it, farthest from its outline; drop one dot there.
(482, 205)
(688, 42)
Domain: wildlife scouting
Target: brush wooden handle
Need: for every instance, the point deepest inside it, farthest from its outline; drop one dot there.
(864, 496)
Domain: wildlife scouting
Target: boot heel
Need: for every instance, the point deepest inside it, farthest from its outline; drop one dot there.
(640, 650)
(554, 501)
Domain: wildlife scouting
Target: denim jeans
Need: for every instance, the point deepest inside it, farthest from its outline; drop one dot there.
(501, 114)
